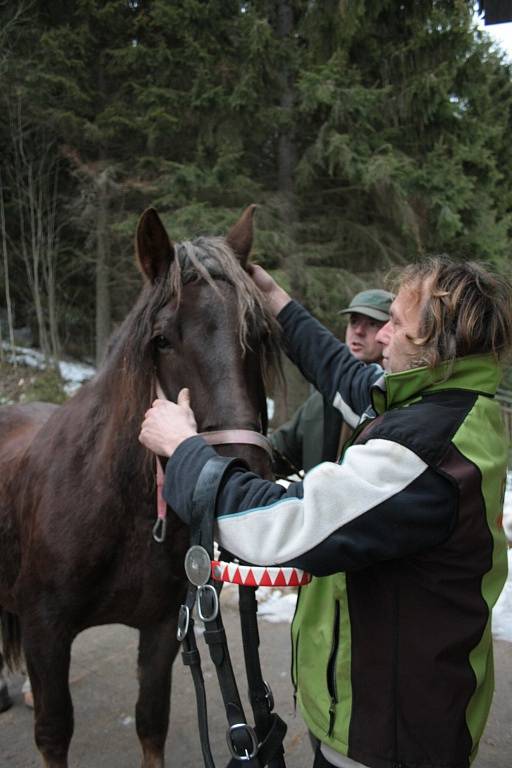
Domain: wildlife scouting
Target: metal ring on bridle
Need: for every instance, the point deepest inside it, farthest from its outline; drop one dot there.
(183, 622)
(204, 593)
(269, 696)
(160, 529)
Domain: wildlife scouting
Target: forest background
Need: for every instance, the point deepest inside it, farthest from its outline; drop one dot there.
(369, 132)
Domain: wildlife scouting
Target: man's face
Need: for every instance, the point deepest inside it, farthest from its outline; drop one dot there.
(399, 352)
(361, 338)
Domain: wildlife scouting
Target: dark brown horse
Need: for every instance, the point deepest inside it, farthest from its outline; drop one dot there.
(77, 490)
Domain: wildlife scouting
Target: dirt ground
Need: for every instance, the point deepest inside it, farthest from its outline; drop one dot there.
(103, 685)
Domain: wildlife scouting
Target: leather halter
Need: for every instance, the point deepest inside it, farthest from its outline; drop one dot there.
(238, 436)
(233, 436)
(217, 437)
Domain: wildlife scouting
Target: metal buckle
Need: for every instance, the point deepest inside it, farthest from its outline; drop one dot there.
(198, 565)
(205, 593)
(232, 747)
(160, 529)
(269, 696)
(183, 622)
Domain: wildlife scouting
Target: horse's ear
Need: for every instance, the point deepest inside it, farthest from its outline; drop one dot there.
(239, 237)
(154, 249)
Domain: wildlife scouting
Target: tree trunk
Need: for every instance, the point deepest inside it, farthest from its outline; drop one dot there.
(49, 266)
(7, 285)
(28, 182)
(103, 309)
(35, 204)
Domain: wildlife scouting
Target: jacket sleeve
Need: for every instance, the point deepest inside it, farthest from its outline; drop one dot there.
(382, 503)
(328, 363)
(288, 440)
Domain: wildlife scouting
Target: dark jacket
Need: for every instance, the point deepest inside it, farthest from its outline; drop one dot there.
(392, 646)
(311, 436)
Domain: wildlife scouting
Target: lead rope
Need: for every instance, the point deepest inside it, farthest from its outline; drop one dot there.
(270, 729)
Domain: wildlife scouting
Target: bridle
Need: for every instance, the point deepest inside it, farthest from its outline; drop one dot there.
(239, 437)
(234, 436)
(250, 747)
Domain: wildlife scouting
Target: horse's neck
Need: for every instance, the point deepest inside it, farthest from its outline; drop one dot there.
(107, 426)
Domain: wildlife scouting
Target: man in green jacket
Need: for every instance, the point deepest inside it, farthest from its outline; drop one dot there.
(318, 428)
(392, 645)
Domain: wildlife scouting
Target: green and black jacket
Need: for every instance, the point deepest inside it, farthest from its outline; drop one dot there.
(392, 647)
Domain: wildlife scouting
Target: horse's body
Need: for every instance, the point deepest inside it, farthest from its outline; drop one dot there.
(77, 490)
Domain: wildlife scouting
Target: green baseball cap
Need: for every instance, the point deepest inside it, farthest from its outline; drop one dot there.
(374, 303)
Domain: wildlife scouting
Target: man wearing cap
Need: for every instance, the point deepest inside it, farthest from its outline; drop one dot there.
(318, 429)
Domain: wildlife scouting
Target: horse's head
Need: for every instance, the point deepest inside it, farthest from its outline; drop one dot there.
(210, 330)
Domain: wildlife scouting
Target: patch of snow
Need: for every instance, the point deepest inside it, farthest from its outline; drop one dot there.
(502, 613)
(33, 358)
(275, 605)
(127, 720)
(73, 373)
(507, 509)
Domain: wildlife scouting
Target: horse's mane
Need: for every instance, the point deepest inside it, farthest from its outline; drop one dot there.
(126, 379)
(211, 259)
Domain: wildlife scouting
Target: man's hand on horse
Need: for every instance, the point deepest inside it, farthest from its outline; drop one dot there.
(275, 296)
(168, 424)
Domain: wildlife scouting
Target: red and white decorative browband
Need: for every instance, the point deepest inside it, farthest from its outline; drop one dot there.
(259, 575)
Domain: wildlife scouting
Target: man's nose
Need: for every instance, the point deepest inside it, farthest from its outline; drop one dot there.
(383, 335)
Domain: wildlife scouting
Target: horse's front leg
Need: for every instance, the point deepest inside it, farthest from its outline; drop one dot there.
(5, 699)
(158, 647)
(47, 649)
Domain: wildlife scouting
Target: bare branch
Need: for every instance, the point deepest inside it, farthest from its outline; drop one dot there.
(7, 287)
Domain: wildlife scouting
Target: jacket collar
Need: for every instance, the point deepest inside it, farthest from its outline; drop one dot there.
(476, 373)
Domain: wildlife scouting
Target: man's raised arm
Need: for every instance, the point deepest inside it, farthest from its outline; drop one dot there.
(322, 359)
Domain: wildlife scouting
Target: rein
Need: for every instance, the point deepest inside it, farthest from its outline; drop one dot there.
(249, 746)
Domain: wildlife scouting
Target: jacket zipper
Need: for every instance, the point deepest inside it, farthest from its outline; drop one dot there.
(295, 657)
(331, 669)
(295, 676)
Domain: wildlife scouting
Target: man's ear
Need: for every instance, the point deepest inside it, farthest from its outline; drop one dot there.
(239, 237)
(155, 251)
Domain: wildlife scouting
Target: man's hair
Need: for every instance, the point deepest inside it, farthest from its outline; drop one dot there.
(466, 309)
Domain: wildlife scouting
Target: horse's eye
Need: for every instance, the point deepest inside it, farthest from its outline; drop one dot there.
(161, 342)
